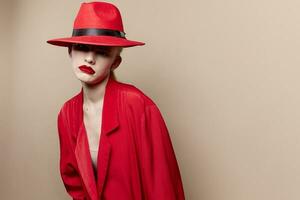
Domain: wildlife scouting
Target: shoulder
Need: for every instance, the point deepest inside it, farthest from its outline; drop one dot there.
(137, 103)
(140, 105)
(133, 95)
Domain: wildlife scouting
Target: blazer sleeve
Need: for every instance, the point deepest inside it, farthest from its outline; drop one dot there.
(69, 174)
(161, 177)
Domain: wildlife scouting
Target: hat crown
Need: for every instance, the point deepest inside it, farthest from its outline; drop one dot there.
(99, 15)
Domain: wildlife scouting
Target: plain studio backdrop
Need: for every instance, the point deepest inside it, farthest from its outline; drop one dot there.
(225, 75)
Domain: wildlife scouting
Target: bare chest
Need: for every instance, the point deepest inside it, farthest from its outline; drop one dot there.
(92, 123)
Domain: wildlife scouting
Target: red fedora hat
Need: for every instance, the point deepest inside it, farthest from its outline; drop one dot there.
(97, 23)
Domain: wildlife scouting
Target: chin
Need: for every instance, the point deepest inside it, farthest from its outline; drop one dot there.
(88, 83)
(89, 80)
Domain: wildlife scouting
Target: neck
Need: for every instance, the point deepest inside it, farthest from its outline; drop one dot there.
(93, 94)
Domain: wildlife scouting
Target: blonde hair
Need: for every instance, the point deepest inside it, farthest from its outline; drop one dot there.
(112, 73)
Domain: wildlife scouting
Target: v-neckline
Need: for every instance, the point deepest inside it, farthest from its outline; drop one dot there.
(110, 122)
(99, 130)
(95, 167)
(100, 119)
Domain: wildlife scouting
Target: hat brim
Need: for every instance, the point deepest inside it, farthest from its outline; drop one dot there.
(95, 40)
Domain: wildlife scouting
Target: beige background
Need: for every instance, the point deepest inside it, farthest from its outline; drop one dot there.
(225, 75)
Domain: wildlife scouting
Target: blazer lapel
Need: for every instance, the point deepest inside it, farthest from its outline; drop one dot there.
(110, 121)
(83, 157)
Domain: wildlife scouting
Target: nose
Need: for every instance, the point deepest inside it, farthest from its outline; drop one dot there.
(90, 57)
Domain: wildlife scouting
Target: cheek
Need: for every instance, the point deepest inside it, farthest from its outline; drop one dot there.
(104, 63)
(76, 59)
(74, 64)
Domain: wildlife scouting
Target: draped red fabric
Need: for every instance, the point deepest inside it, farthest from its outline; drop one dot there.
(136, 159)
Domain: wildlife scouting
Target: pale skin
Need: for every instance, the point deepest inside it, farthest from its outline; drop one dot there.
(102, 59)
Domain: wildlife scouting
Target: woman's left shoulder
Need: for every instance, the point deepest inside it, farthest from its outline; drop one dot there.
(134, 96)
(138, 103)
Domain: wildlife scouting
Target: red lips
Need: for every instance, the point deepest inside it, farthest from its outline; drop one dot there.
(86, 69)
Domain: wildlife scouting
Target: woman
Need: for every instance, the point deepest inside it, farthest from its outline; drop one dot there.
(114, 143)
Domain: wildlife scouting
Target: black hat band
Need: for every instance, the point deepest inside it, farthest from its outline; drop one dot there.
(94, 31)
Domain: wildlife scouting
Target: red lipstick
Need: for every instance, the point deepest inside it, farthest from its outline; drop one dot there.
(86, 69)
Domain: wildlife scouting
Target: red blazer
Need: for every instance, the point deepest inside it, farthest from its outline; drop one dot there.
(136, 160)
